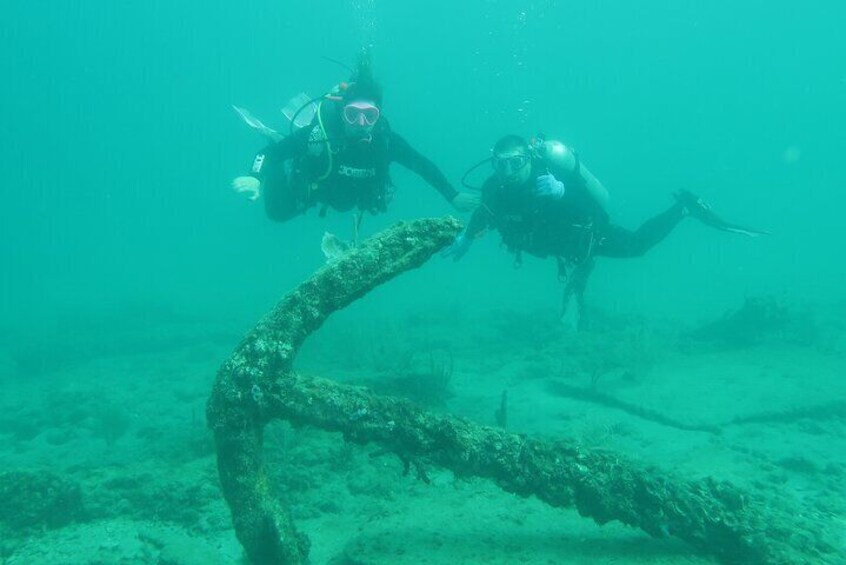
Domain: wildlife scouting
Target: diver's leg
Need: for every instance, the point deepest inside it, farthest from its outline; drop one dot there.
(573, 304)
(620, 242)
(281, 202)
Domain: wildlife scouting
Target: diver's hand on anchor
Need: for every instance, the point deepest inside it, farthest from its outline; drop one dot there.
(459, 247)
(250, 186)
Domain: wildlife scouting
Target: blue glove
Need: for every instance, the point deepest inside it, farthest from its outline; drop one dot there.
(549, 186)
(459, 247)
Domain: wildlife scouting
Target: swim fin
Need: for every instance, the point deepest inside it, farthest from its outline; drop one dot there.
(702, 211)
(257, 124)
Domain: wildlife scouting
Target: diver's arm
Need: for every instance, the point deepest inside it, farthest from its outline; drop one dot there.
(483, 216)
(287, 148)
(564, 163)
(479, 221)
(408, 157)
(463, 241)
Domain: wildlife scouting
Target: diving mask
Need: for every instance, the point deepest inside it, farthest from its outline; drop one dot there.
(361, 114)
(507, 166)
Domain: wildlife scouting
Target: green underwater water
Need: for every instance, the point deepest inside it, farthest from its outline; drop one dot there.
(130, 270)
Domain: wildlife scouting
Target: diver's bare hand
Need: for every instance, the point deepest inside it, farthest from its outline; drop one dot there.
(250, 186)
(466, 201)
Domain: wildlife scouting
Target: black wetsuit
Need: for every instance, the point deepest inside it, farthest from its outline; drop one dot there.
(573, 228)
(333, 170)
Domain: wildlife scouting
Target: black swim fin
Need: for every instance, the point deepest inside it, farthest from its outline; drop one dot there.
(702, 211)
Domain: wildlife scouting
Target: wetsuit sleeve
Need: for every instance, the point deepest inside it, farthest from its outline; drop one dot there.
(483, 216)
(478, 222)
(408, 157)
(291, 146)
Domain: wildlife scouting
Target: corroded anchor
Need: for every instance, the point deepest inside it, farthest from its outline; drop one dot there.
(258, 384)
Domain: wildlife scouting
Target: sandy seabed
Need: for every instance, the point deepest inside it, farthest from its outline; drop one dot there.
(122, 416)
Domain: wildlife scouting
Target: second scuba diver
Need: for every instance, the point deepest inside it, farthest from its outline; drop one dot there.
(544, 202)
(341, 159)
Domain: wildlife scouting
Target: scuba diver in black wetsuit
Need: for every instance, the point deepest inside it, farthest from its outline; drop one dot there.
(341, 159)
(544, 202)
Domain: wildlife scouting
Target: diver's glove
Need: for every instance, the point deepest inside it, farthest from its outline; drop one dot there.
(250, 186)
(466, 201)
(549, 186)
(459, 247)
